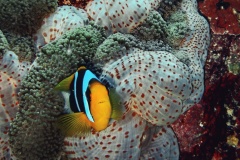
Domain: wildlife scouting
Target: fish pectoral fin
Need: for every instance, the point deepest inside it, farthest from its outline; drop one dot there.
(115, 101)
(74, 124)
(64, 85)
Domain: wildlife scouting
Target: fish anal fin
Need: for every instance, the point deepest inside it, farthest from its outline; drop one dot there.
(64, 85)
(74, 124)
(115, 101)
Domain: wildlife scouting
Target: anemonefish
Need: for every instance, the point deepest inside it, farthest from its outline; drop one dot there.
(91, 104)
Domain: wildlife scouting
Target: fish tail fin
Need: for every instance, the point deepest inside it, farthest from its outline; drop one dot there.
(74, 124)
(64, 85)
(115, 101)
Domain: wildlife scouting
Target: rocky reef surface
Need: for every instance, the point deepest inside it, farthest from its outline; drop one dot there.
(212, 128)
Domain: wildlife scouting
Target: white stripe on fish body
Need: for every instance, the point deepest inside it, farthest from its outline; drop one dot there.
(88, 76)
(75, 91)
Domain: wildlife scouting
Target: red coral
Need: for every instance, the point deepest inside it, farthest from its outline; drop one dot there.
(222, 15)
(222, 93)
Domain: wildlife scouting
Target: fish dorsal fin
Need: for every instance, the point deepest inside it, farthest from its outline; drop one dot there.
(64, 85)
(115, 101)
(82, 67)
(74, 124)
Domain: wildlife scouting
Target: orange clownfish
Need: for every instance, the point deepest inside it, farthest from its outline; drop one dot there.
(91, 103)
